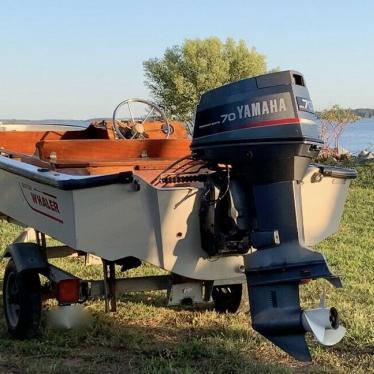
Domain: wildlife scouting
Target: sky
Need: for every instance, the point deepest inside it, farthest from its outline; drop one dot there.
(77, 59)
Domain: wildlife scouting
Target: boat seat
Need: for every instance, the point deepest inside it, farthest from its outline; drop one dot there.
(24, 141)
(91, 151)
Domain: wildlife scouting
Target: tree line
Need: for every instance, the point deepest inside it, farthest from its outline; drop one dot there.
(363, 112)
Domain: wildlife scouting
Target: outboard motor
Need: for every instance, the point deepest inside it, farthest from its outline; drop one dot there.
(258, 136)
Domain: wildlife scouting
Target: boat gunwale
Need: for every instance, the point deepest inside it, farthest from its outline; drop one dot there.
(60, 180)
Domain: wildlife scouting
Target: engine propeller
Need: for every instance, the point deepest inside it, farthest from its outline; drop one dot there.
(324, 323)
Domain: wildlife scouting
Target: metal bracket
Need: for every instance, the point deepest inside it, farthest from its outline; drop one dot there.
(186, 293)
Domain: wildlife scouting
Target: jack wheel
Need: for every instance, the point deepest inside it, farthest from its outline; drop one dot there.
(230, 298)
(22, 301)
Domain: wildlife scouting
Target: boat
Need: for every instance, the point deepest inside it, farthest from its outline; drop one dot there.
(239, 206)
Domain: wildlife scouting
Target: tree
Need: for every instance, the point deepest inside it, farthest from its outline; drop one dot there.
(177, 80)
(333, 123)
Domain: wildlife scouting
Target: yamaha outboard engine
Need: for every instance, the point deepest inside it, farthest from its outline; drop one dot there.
(258, 136)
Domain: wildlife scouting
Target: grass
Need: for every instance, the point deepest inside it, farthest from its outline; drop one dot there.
(144, 336)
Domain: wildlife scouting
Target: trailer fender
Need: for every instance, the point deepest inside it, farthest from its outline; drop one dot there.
(27, 256)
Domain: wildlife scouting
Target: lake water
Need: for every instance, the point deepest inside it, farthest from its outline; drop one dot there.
(359, 136)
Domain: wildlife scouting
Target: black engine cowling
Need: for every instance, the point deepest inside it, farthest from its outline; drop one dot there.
(263, 126)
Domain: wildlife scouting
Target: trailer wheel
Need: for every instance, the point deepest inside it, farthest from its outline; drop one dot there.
(230, 298)
(22, 301)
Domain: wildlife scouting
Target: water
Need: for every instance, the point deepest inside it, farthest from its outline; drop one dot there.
(359, 136)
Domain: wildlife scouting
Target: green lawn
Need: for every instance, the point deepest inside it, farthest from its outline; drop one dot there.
(144, 336)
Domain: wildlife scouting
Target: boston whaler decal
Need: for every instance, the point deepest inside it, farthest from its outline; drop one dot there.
(41, 202)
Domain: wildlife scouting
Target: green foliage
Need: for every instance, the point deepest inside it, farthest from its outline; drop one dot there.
(338, 115)
(333, 123)
(178, 79)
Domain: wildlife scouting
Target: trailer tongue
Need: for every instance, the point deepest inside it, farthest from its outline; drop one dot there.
(265, 132)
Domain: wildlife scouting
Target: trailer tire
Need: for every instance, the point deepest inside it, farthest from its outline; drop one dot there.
(231, 298)
(22, 301)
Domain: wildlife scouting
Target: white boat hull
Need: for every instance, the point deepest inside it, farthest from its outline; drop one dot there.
(157, 225)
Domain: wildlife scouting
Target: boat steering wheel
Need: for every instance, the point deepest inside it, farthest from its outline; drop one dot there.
(133, 128)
